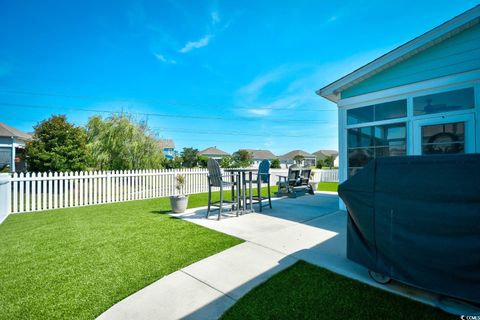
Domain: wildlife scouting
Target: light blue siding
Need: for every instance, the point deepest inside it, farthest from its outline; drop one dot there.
(458, 54)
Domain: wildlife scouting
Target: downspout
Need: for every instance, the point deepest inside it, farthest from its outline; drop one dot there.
(12, 167)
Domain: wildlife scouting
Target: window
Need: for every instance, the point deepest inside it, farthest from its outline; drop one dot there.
(5, 156)
(443, 138)
(377, 112)
(367, 143)
(444, 101)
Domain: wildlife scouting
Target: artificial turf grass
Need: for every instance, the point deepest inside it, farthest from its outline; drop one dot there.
(305, 291)
(328, 186)
(76, 263)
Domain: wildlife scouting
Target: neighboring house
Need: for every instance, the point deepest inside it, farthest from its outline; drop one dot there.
(288, 158)
(321, 155)
(214, 153)
(168, 148)
(12, 147)
(259, 155)
(420, 98)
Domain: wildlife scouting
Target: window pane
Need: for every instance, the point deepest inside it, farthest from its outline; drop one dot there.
(360, 115)
(5, 156)
(391, 151)
(444, 101)
(367, 143)
(443, 138)
(360, 137)
(385, 134)
(359, 157)
(391, 110)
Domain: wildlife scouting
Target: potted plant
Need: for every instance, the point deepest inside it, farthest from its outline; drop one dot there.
(312, 181)
(179, 202)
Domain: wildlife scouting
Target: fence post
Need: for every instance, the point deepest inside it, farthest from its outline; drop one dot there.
(5, 195)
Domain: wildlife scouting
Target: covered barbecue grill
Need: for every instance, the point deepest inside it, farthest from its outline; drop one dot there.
(416, 219)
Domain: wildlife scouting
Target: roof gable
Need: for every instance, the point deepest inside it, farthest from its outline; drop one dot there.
(213, 151)
(435, 36)
(290, 155)
(261, 154)
(7, 131)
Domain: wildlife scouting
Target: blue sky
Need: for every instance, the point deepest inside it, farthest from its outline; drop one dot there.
(231, 74)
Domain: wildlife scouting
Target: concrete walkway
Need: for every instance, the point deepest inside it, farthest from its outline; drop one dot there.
(310, 228)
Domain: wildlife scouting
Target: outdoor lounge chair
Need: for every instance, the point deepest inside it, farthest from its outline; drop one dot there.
(297, 180)
(216, 179)
(262, 176)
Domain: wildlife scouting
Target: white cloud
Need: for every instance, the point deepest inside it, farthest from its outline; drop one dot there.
(332, 19)
(253, 89)
(162, 58)
(215, 17)
(196, 44)
(259, 112)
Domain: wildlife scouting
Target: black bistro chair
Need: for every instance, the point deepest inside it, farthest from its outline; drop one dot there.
(216, 179)
(262, 176)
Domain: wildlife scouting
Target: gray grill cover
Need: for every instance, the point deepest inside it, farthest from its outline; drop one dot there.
(416, 219)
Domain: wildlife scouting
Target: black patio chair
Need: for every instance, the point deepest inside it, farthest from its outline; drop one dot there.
(305, 180)
(216, 179)
(262, 176)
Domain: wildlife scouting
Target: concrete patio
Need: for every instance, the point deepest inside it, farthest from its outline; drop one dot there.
(310, 228)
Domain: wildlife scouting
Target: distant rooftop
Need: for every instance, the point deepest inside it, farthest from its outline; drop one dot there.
(290, 155)
(261, 154)
(213, 151)
(326, 153)
(7, 131)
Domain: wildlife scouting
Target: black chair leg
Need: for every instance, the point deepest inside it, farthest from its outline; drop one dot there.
(269, 196)
(209, 199)
(259, 194)
(221, 203)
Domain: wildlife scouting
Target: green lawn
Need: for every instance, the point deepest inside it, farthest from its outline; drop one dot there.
(305, 291)
(328, 186)
(76, 263)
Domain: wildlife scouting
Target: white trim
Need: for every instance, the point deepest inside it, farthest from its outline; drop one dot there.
(414, 89)
(424, 41)
(342, 151)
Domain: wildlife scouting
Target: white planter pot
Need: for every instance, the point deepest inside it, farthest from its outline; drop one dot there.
(179, 203)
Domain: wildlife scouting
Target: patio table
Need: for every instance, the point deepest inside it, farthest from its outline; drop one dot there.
(242, 187)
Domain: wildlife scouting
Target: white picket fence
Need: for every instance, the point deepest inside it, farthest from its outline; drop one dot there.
(45, 191)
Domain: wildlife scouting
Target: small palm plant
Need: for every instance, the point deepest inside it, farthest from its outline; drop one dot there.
(179, 202)
(180, 184)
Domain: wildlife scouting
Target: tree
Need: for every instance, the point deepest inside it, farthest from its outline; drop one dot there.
(319, 164)
(202, 161)
(329, 160)
(275, 164)
(298, 159)
(119, 143)
(190, 157)
(226, 162)
(175, 163)
(57, 145)
(242, 159)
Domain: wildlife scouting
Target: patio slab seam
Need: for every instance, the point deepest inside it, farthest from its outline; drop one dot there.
(208, 285)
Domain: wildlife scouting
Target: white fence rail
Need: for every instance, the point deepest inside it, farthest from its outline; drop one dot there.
(43, 191)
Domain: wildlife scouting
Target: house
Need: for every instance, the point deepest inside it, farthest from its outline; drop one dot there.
(214, 153)
(12, 147)
(168, 148)
(259, 155)
(289, 158)
(420, 98)
(321, 155)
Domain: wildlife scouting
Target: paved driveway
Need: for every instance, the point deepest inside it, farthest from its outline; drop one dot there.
(310, 228)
